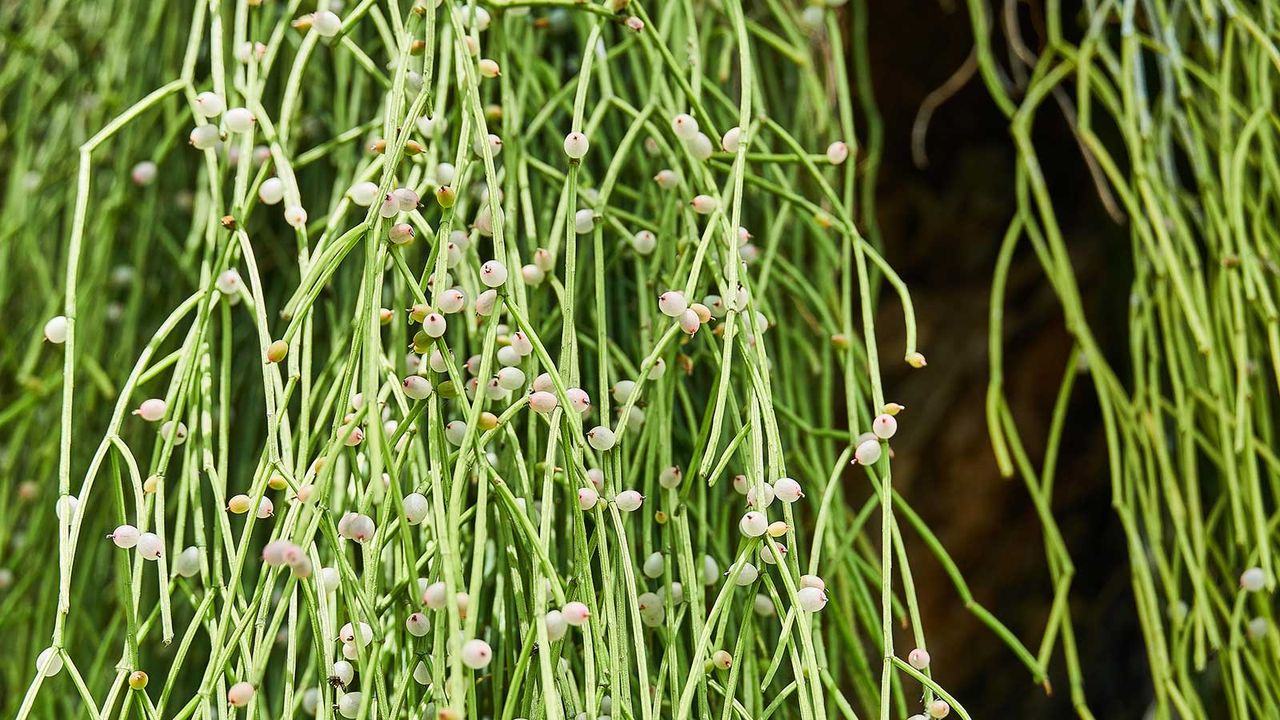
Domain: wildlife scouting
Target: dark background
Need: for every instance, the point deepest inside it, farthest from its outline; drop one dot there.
(957, 209)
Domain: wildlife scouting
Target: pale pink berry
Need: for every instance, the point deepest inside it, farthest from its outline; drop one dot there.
(486, 302)
(543, 402)
(400, 234)
(684, 126)
(918, 658)
(210, 104)
(452, 301)
(455, 432)
(55, 330)
(417, 624)
(144, 173)
(1253, 579)
(296, 216)
(271, 191)
(557, 626)
(150, 546)
(579, 399)
(348, 634)
(357, 527)
(326, 23)
(868, 452)
(344, 672)
(690, 322)
(587, 498)
(476, 654)
(732, 140)
(229, 282)
(760, 497)
(629, 500)
(239, 120)
(704, 204)
(812, 581)
(415, 508)
(493, 273)
(575, 145)
(405, 199)
(601, 438)
(811, 599)
(125, 536)
(653, 565)
(434, 325)
(204, 137)
(151, 410)
(240, 694)
(532, 274)
(787, 490)
(389, 206)
(699, 146)
(435, 596)
(543, 259)
(355, 437)
(275, 551)
(417, 387)
(265, 508)
(510, 378)
(837, 153)
(672, 303)
(521, 344)
(753, 524)
(644, 242)
(363, 193)
(884, 426)
(575, 613)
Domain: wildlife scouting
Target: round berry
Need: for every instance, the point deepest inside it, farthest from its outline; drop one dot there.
(326, 23)
(753, 524)
(476, 654)
(204, 137)
(868, 452)
(837, 153)
(493, 273)
(575, 613)
(672, 303)
(918, 658)
(1253, 579)
(210, 104)
(151, 410)
(415, 508)
(884, 426)
(601, 438)
(363, 193)
(575, 145)
(55, 330)
(684, 126)
(629, 500)
(239, 120)
(811, 599)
